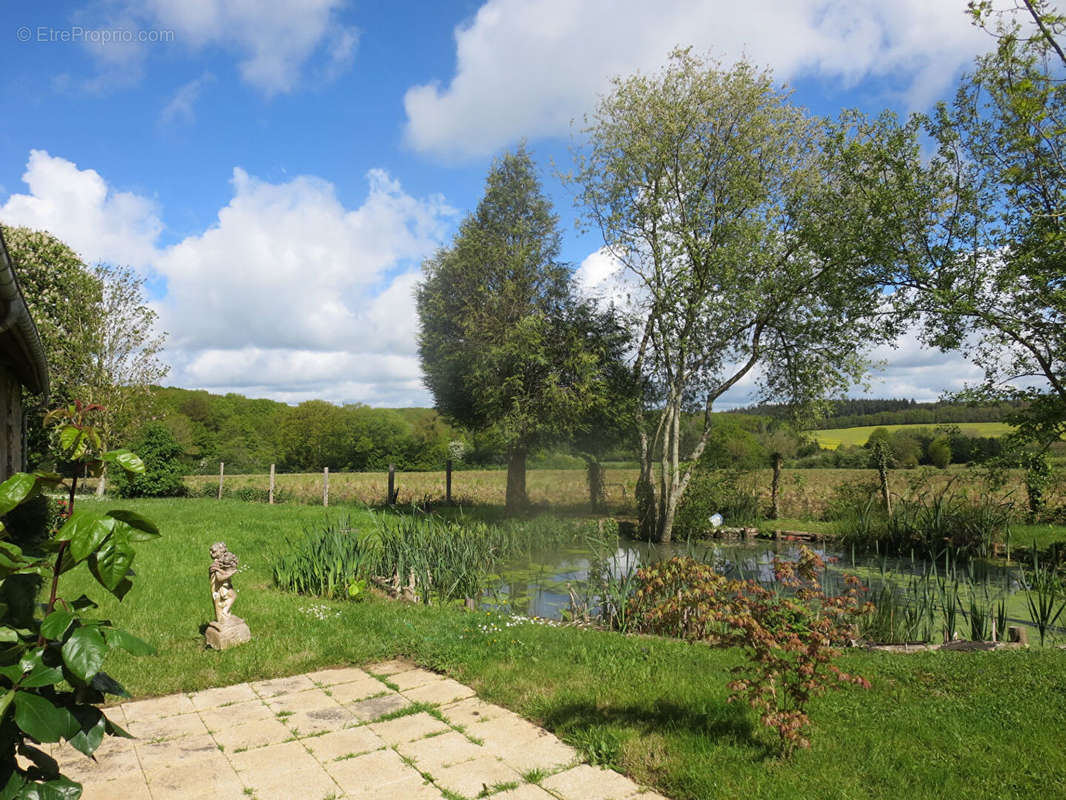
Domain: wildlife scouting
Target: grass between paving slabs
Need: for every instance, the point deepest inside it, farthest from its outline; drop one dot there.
(934, 725)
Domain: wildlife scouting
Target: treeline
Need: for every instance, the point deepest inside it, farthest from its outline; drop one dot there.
(908, 448)
(251, 434)
(863, 412)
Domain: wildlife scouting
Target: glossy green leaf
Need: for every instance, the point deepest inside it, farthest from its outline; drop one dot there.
(129, 461)
(73, 442)
(19, 487)
(83, 602)
(40, 719)
(91, 734)
(128, 642)
(116, 730)
(141, 529)
(47, 766)
(84, 653)
(8, 634)
(110, 564)
(104, 683)
(56, 789)
(5, 701)
(86, 531)
(56, 624)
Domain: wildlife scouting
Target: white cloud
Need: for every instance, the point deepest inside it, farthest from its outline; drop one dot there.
(526, 68)
(273, 40)
(98, 222)
(181, 107)
(288, 295)
(903, 368)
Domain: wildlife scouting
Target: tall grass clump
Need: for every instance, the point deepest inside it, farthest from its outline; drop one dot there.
(430, 558)
(927, 520)
(327, 562)
(1045, 595)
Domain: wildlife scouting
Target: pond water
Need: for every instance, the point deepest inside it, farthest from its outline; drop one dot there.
(540, 584)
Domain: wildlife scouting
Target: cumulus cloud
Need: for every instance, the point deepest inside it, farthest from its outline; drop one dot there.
(273, 40)
(904, 367)
(98, 222)
(526, 68)
(289, 294)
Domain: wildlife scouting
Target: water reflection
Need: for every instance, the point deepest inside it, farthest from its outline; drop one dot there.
(540, 584)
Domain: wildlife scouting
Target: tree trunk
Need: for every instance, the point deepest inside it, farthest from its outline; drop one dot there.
(597, 486)
(644, 493)
(882, 473)
(775, 485)
(516, 479)
(670, 488)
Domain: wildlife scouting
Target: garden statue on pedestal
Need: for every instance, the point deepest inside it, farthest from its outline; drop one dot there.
(227, 630)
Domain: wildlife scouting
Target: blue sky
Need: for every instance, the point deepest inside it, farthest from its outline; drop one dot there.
(278, 170)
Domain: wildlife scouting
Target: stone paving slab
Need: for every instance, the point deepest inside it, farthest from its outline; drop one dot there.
(390, 731)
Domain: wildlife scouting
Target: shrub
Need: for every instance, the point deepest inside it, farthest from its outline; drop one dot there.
(730, 494)
(163, 471)
(788, 638)
(51, 676)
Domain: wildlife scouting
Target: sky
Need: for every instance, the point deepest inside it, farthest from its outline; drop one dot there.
(278, 170)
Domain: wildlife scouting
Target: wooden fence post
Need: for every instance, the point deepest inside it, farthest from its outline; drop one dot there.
(448, 481)
(221, 474)
(270, 494)
(325, 486)
(391, 498)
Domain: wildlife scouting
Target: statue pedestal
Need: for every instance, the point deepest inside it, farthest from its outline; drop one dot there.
(232, 632)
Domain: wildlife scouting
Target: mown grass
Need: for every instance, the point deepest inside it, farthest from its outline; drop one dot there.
(980, 725)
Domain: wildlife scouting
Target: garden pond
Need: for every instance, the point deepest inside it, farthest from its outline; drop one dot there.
(553, 581)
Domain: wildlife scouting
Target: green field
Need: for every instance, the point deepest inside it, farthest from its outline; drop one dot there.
(933, 725)
(832, 438)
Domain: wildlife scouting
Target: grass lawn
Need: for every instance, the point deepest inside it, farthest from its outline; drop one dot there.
(984, 725)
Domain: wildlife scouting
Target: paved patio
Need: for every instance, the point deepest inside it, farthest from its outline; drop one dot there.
(390, 731)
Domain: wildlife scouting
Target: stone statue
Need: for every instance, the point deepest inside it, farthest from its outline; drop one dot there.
(227, 630)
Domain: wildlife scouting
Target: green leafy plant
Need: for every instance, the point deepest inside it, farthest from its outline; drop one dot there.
(788, 636)
(51, 657)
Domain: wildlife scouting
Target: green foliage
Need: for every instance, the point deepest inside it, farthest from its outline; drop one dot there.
(500, 340)
(939, 452)
(326, 563)
(925, 521)
(981, 225)
(787, 638)
(163, 471)
(51, 656)
(746, 243)
(729, 493)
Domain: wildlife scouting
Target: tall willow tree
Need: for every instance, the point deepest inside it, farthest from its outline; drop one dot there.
(498, 340)
(745, 253)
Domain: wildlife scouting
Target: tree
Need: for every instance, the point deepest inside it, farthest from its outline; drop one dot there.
(125, 359)
(496, 341)
(314, 435)
(781, 441)
(981, 226)
(724, 203)
(98, 333)
(163, 470)
(63, 297)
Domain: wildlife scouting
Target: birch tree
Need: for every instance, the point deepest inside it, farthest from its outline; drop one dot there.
(745, 252)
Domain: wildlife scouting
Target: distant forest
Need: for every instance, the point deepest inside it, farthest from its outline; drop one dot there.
(860, 412)
(251, 434)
